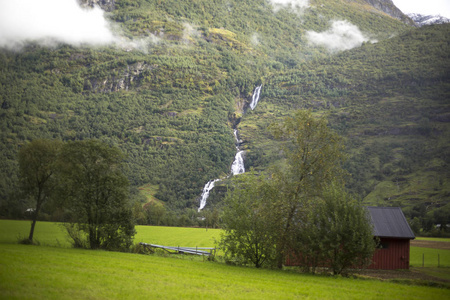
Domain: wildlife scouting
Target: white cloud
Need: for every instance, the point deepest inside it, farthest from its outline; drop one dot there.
(255, 39)
(189, 32)
(52, 21)
(279, 4)
(342, 35)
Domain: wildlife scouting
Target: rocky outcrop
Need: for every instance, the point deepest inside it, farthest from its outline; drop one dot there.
(106, 5)
(388, 7)
(131, 76)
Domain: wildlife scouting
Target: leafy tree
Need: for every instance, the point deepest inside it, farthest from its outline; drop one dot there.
(313, 155)
(336, 233)
(248, 229)
(97, 193)
(154, 212)
(37, 167)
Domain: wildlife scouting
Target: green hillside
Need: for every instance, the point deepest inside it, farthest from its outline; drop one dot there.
(390, 100)
(171, 92)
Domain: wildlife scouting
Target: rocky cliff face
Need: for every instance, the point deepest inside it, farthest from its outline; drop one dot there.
(388, 7)
(106, 5)
(132, 75)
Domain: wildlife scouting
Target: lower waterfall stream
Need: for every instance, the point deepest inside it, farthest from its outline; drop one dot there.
(238, 166)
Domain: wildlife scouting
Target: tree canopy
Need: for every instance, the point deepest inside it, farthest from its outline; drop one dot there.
(87, 180)
(302, 209)
(97, 193)
(37, 168)
(313, 157)
(248, 223)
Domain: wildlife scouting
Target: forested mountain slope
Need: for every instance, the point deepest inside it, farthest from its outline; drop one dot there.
(182, 73)
(391, 101)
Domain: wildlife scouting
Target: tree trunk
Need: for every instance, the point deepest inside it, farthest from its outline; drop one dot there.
(36, 212)
(33, 224)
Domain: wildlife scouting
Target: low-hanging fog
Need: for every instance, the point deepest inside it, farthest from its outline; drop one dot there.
(342, 35)
(49, 22)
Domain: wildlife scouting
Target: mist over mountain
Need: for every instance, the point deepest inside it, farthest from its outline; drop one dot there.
(342, 35)
(170, 81)
(49, 22)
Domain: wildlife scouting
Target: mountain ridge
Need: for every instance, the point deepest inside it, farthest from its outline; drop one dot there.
(389, 8)
(423, 20)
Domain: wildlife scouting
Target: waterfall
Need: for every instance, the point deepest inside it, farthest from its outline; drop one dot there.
(255, 97)
(238, 141)
(208, 187)
(238, 166)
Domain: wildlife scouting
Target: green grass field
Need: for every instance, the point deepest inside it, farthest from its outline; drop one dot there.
(430, 257)
(30, 272)
(55, 271)
(51, 234)
(447, 240)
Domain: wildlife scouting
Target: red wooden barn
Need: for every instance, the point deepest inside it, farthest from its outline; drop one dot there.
(391, 227)
(394, 233)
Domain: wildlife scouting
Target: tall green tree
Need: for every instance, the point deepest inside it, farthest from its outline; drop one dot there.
(336, 233)
(248, 229)
(302, 209)
(97, 194)
(313, 157)
(37, 168)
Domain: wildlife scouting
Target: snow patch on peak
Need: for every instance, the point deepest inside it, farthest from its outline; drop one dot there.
(422, 20)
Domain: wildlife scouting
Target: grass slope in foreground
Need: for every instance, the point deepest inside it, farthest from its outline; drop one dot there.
(54, 273)
(49, 272)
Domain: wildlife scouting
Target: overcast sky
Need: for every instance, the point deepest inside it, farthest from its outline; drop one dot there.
(426, 7)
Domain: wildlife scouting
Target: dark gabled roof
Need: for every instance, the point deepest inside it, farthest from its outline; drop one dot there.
(389, 222)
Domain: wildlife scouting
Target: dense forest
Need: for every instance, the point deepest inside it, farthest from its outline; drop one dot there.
(171, 92)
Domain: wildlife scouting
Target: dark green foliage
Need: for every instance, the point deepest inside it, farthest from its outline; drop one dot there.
(302, 211)
(249, 227)
(37, 168)
(97, 191)
(313, 158)
(336, 233)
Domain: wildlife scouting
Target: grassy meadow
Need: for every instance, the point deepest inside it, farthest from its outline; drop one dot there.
(54, 271)
(430, 257)
(52, 234)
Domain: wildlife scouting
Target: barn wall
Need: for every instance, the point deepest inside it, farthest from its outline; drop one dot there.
(395, 256)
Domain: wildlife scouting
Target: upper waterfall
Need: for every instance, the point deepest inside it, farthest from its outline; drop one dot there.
(238, 166)
(255, 97)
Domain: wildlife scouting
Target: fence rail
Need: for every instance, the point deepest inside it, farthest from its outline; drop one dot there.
(203, 251)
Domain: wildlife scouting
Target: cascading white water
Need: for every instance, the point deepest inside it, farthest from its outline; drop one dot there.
(238, 166)
(236, 137)
(208, 187)
(255, 97)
